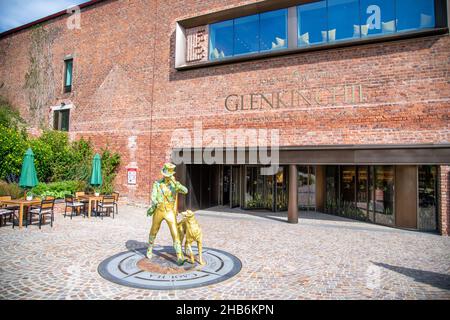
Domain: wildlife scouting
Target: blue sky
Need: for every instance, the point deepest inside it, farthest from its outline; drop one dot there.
(14, 13)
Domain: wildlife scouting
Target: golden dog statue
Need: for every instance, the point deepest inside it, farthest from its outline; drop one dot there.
(190, 228)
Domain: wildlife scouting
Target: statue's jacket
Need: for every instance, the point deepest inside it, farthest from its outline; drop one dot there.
(163, 192)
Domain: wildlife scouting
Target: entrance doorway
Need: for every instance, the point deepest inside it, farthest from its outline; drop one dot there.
(226, 194)
(306, 187)
(235, 186)
(231, 190)
(202, 183)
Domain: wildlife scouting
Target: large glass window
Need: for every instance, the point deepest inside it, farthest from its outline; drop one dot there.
(332, 189)
(384, 195)
(259, 189)
(312, 23)
(427, 198)
(334, 20)
(221, 40)
(371, 194)
(348, 184)
(246, 35)
(362, 192)
(68, 75)
(415, 14)
(306, 187)
(251, 34)
(377, 17)
(281, 189)
(343, 19)
(273, 30)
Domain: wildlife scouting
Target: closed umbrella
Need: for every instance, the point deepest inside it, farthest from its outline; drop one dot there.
(28, 176)
(96, 175)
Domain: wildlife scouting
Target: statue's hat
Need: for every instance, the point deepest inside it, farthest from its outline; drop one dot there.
(168, 169)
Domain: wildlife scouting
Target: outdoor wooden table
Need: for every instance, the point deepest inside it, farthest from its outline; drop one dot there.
(91, 198)
(21, 203)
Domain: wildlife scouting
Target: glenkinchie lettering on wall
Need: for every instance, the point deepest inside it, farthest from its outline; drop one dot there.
(296, 98)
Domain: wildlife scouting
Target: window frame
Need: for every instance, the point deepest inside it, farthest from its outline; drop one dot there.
(441, 28)
(58, 119)
(68, 88)
(235, 55)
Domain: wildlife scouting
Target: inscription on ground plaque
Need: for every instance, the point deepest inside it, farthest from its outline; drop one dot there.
(133, 269)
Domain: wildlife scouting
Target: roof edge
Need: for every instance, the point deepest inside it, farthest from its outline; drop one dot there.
(47, 18)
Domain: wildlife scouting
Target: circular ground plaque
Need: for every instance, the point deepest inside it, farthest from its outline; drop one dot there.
(133, 269)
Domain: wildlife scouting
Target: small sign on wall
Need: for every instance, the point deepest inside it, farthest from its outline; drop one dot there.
(132, 173)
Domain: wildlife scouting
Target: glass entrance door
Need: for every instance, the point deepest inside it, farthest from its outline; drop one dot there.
(235, 186)
(226, 185)
(306, 187)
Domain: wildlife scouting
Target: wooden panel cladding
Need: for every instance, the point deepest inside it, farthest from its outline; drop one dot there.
(406, 196)
(320, 188)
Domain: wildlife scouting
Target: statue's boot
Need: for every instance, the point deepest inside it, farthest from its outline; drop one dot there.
(151, 241)
(179, 252)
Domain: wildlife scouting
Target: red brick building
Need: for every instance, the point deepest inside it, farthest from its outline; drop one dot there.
(360, 98)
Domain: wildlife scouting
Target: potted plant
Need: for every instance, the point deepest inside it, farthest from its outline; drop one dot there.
(97, 192)
(29, 196)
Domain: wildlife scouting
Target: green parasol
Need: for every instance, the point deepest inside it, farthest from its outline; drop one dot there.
(96, 175)
(28, 176)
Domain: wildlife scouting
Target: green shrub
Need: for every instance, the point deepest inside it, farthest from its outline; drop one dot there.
(80, 165)
(110, 164)
(58, 189)
(56, 158)
(11, 189)
(43, 159)
(59, 154)
(13, 145)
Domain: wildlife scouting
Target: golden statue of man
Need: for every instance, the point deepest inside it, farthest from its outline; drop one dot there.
(163, 207)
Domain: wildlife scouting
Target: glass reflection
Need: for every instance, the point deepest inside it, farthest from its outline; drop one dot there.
(362, 192)
(221, 40)
(343, 20)
(306, 192)
(371, 194)
(273, 30)
(259, 189)
(348, 179)
(312, 23)
(246, 39)
(384, 195)
(427, 198)
(417, 14)
(377, 17)
(332, 189)
(281, 203)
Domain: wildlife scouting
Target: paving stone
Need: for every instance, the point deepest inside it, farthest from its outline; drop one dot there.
(322, 257)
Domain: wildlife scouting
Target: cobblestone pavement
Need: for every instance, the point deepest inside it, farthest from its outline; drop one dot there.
(322, 257)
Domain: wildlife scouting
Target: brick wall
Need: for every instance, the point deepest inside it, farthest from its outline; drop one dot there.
(444, 200)
(128, 95)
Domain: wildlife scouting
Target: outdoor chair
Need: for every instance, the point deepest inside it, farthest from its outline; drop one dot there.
(106, 206)
(9, 207)
(46, 208)
(116, 201)
(11, 212)
(3, 214)
(85, 202)
(73, 205)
